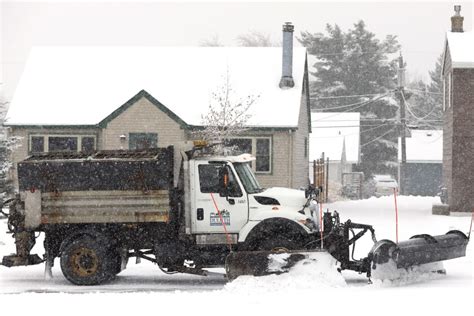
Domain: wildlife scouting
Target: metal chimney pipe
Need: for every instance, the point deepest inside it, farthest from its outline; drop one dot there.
(287, 60)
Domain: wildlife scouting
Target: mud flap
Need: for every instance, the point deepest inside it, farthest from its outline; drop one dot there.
(419, 249)
(260, 263)
(15, 260)
(24, 241)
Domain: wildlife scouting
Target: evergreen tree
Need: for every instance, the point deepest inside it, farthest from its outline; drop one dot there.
(358, 64)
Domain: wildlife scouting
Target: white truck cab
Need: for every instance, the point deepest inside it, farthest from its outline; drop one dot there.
(225, 197)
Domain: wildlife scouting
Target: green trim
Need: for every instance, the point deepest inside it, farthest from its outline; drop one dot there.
(47, 135)
(52, 126)
(252, 128)
(135, 99)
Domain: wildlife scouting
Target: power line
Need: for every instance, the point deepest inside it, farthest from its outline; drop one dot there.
(359, 120)
(356, 133)
(373, 140)
(354, 104)
(345, 106)
(423, 91)
(409, 108)
(369, 52)
(361, 105)
(342, 126)
(345, 96)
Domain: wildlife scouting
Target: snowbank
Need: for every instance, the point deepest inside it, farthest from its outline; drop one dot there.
(318, 271)
(389, 275)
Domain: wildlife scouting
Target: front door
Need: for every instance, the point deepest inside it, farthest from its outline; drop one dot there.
(212, 210)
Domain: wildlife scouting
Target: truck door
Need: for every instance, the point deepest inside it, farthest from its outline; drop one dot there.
(209, 198)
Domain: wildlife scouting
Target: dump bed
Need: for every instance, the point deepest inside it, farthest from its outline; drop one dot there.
(99, 187)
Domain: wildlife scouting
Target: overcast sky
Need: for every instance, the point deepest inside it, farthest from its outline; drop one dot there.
(419, 25)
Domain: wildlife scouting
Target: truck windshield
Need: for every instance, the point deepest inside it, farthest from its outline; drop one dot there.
(247, 177)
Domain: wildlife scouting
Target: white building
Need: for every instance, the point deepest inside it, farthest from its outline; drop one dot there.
(337, 135)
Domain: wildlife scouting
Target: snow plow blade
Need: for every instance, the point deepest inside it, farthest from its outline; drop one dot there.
(260, 263)
(419, 249)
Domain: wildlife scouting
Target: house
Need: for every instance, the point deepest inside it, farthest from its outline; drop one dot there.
(88, 98)
(458, 119)
(337, 136)
(424, 164)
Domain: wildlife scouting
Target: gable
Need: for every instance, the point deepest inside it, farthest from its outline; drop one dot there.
(133, 101)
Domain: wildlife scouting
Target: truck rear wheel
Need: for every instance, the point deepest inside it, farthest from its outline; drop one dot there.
(86, 261)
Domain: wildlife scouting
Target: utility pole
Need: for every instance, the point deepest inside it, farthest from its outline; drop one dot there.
(403, 125)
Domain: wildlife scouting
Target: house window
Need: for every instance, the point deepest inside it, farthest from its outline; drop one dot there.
(37, 144)
(239, 145)
(449, 91)
(143, 140)
(88, 144)
(259, 147)
(263, 155)
(444, 94)
(306, 147)
(61, 143)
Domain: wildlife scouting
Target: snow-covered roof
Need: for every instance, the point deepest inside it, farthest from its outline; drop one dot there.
(329, 132)
(461, 48)
(423, 146)
(83, 85)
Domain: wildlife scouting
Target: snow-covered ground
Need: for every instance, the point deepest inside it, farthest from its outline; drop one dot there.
(309, 288)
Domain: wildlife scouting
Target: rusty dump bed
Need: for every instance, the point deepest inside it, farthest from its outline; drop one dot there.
(99, 187)
(80, 207)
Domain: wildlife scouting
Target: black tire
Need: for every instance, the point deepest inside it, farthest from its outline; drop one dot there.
(278, 244)
(87, 261)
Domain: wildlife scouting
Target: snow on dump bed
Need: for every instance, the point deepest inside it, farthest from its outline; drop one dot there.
(318, 270)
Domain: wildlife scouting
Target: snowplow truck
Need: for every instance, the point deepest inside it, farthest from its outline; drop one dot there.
(185, 210)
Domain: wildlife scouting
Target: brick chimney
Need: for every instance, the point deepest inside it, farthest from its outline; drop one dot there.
(456, 20)
(287, 61)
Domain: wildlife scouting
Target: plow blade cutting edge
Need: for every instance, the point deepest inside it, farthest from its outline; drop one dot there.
(419, 249)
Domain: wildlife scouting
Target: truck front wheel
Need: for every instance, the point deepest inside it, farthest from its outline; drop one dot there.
(86, 261)
(278, 244)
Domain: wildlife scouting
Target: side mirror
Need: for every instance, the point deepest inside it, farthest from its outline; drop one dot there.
(224, 182)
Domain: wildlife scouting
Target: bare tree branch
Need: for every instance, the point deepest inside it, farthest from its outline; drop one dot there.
(226, 117)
